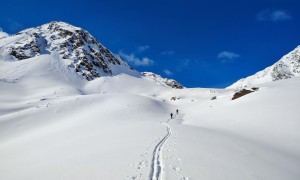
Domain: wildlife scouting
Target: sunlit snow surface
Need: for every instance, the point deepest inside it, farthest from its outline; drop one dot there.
(56, 125)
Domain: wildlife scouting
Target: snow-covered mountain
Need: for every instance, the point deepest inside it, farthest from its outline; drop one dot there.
(73, 47)
(287, 67)
(85, 55)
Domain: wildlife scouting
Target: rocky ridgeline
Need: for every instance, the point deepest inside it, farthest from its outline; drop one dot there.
(287, 67)
(168, 82)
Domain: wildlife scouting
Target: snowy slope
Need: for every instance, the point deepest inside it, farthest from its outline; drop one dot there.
(48, 77)
(288, 66)
(54, 126)
(254, 137)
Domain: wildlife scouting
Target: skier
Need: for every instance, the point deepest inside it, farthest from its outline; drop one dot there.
(177, 111)
(171, 115)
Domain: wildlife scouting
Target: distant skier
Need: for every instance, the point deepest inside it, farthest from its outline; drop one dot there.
(171, 115)
(177, 111)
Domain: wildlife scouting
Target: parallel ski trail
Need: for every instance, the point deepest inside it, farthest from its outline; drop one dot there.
(156, 172)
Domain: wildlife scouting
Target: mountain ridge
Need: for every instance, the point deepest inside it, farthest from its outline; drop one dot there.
(286, 67)
(74, 47)
(89, 58)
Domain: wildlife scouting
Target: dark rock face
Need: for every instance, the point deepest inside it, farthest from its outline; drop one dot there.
(174, 84)
(29, 49)
(243, 92)
(89, 58)
(279, 72)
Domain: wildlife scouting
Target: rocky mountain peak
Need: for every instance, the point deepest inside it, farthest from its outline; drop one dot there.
(88, 57)
(287, 67)
(75, 48)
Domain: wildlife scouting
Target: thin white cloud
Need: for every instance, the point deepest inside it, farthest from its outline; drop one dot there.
(131, 58)
(227, 56)
(183, 64)
(273, 15)
(168, 72)
(14, 25)
(142, 48)
(167, 53)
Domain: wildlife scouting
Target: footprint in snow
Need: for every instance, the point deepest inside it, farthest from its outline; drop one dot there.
(142, 164)
(185, 178)
(175, 168)
(134, 177)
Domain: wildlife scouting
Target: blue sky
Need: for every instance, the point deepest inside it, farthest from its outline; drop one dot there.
(199, 43)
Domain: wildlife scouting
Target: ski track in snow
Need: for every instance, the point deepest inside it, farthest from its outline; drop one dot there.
(157, 164)
(156, 171)
(172, 156)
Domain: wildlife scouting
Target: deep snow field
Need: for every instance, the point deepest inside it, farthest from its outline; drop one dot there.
(56, 126)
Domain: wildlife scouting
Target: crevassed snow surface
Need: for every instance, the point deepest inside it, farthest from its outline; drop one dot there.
(56, 125)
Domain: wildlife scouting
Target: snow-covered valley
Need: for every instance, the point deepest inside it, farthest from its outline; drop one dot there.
(55, 124)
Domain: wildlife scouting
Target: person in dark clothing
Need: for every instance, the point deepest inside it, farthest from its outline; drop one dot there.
(177, 111)
(171, 115)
